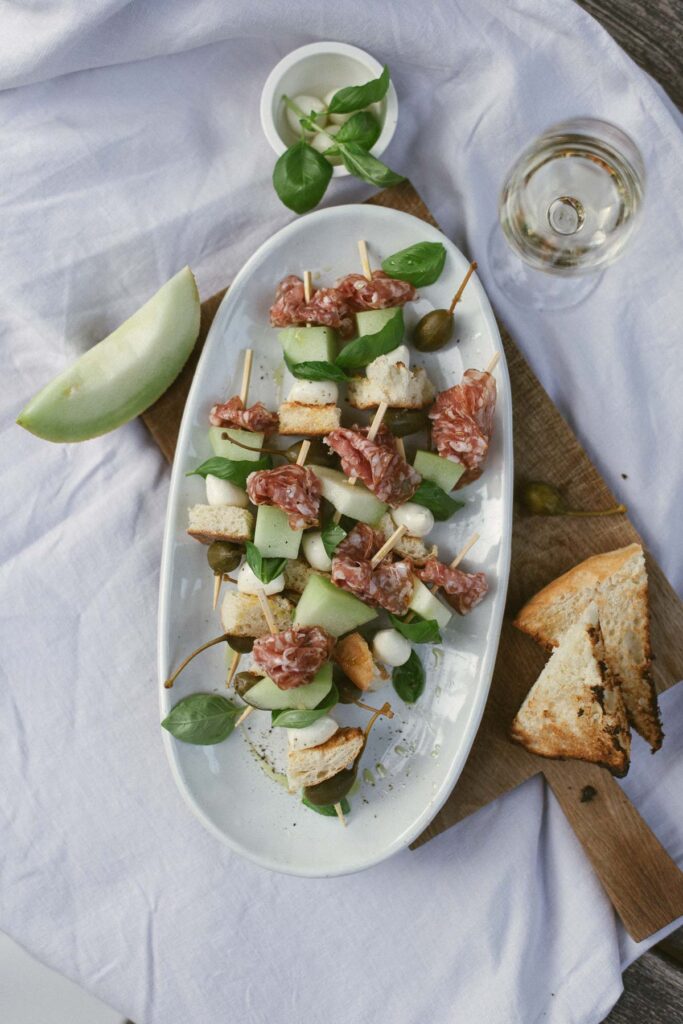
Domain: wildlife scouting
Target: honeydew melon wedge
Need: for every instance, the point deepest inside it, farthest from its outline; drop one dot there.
(273, 535)
(267, 696)
(323, 604)
(427, 606)
(302, 344)
(221, 439)
(445, 473)
(123, 375)
(356, 502)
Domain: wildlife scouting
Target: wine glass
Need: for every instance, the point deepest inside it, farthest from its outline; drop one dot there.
(567, 208)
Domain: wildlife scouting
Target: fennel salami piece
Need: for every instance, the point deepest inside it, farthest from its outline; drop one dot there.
(233, 414)
(462, 422)
(294, 489)
(463, 590)
(326, 308)
(376, 463)
(389, 585)
(382, 292)
(292, 657)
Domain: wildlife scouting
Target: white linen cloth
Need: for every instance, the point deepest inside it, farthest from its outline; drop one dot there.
(131, 145)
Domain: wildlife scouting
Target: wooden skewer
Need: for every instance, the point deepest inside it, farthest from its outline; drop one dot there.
(493, 363)
(364, 261)
(303, 453)
(454, 565)
(234, 665)
(268, 615)
(246, 375)
(340, 814)
(389, 543)
(461, 289)
(372, 434)
(245, 714)
(308, 288)
(217, 584)
(400, 447)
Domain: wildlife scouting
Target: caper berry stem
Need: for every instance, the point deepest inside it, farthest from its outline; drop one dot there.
(616, 511)
(263, 451)
(461, 289)
(384, 710)
(210, 643)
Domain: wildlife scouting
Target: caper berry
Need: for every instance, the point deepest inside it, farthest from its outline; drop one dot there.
(244, 681)
(542, 499)
(433, 331)
(318, 454)
(241, 644)
(331, 791)
(223, 557)
(402, 422)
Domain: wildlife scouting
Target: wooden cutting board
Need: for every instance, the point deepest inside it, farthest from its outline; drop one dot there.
(642, 881)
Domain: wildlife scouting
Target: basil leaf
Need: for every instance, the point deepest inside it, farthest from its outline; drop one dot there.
(419, 631)
(362, 128)
(364, 165)
(265, 569)
(420, 264)
(300, 177)
(409, 679)
(202, 718)
(230, 469)
(363, 350)
(440, 504)
(355, 97)
(294, 719)
(332, 535)
(315, 369)
(327, 809)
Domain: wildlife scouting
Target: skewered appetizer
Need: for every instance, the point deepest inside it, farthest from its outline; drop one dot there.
(309, 584)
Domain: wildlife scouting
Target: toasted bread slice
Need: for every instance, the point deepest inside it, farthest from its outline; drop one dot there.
(297, 574)
(575, 708)
(391, 382)
(242, 615)
(315, 764)
(617, 582)
(354, 657)
(407, 546)
(309, 420)
(208, 523)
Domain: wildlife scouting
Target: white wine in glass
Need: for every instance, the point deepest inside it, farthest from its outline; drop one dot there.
(567, 209)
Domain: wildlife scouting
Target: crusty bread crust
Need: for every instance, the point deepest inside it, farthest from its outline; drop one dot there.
(354, 657)
(628, 649)
(576, 710)
(312, 765)
(208, 523)
(242, 615)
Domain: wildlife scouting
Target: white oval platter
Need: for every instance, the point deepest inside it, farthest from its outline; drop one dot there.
(413, 761)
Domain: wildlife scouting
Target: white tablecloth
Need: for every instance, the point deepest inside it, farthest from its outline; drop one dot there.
(130, 146)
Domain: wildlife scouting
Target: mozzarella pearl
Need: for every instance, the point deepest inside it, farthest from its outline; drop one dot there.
(314, 551)
(249, 583)
(307, 104)
(401, 355)
(223, 492)
(314, 392)
(322, 141)
(390, 647)
(417, 520)
(313, 735)
(335, 118)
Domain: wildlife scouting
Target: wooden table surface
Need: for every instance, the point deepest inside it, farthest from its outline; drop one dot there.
(652, 34)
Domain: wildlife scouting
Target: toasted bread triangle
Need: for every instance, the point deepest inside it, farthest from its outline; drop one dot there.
(575, 709)
(617, 582)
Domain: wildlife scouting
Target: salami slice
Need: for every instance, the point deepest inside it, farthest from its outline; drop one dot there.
(327, 307)
(233, 414)
(294, 489)
(362, 542)
(376, 463)
(381, 292)
(292, 658)
(389, 586)
(463, 590)
(462, 422)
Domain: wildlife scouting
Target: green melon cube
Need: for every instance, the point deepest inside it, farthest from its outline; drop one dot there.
(304, 344)
(442, 472)
(323, 604)
(357, 501)
(371, 321)
(267, 696)
(219, 438)
(273, 535)
(427, 606)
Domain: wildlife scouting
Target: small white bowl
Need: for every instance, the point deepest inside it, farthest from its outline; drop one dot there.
(315, 70)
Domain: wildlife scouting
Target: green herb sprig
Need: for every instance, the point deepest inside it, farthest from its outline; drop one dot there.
(202, 719)
(409, 679)
(265, 569)
(301, 175)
